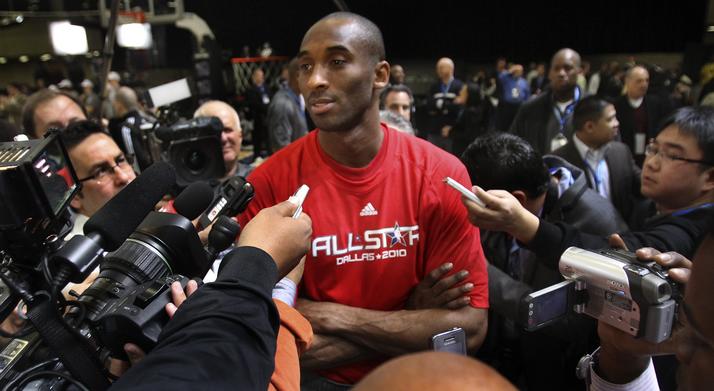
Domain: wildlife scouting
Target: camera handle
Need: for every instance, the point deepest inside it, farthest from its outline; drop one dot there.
(72, 348)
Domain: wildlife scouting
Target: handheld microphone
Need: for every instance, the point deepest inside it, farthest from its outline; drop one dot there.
(234, 195)
(193, 200)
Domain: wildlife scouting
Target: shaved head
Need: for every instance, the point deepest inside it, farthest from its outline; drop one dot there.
(567, 53)
(366, 32)
(434, 371)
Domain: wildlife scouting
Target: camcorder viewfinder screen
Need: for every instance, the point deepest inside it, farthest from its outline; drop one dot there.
(54, 176)
(549, 306)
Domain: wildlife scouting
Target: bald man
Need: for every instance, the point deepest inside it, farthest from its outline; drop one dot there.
(231, 137)
(639, 114)
(434, 371)
(546, 122)
(443, 105)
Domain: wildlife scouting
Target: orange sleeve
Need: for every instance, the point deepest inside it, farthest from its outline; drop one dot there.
(294, 337)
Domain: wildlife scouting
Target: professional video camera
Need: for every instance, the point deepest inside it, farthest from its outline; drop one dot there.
(193, 147)
(612, 286)
(68, 340)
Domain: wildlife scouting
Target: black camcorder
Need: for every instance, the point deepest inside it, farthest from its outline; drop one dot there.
(68, 340)
(192, 146)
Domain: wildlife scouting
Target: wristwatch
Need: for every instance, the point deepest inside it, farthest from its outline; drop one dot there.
(586, 365)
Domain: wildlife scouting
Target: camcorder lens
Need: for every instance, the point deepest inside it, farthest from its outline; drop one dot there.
(195, 160)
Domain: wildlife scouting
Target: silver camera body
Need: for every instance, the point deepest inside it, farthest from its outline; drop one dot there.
(614, 287)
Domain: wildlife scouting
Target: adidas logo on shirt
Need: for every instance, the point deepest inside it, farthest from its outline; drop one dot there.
(368, 210)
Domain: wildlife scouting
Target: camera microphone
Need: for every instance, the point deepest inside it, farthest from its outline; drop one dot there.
(118, 218)
(193, 200)
(107, 229)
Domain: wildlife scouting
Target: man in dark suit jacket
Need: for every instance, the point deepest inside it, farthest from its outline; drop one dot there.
(543, 359)
(607, 164)
(639, 114)
(546, 121)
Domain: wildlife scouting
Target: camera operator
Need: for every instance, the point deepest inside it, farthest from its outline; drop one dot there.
(101, 167)
(129, 124)
(624, 363)
(231, 138)
(223, 336)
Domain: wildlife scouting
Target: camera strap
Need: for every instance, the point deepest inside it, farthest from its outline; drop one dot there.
(74, 350)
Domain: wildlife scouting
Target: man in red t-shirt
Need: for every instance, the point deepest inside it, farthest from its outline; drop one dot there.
(382, 218)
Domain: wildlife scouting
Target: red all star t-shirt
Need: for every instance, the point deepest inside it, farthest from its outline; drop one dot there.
(377, 230)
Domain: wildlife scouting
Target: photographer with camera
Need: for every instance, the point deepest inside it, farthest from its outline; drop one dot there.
(231, 137)
(223, 336)
(101, 167)
(624, 363)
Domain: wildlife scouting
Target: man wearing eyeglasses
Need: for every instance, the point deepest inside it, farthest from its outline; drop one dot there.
(100, 165)
(677, 175)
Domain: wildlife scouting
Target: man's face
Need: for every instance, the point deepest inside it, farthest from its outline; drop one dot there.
(338, 75)
(637, 83)
(675, 184)
(398, 102)
(232, 135)
(444, 70)
(564, 71)
(58, 112)
(89, 156)
(258, 77)
(606, 127)
(398, 74)
(695, 349)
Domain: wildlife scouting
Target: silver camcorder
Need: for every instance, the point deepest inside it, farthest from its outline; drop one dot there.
(612, 286)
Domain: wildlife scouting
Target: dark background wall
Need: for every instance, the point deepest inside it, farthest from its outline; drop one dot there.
(477, 31)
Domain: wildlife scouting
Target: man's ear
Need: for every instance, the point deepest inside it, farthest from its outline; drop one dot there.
(520, 196)
(381, 71)
(708, 179)
(76, 202)
(589, 126)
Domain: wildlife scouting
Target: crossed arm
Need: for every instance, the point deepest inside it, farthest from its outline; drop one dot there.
(345, 334)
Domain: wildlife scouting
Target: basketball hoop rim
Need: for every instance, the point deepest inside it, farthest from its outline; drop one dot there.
(239, 60)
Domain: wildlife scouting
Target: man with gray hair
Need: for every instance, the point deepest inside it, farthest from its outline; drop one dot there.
(444, 105)
(286, 112)
(396, 121)
(231, 137)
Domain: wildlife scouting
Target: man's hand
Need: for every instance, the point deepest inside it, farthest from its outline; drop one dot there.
(445, 131)
(179, 296)
(437, 291)
(133, 351)
(274, 231)
(503, 213)
(623, 357)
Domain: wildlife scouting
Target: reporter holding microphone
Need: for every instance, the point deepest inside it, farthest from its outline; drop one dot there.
(224, 335)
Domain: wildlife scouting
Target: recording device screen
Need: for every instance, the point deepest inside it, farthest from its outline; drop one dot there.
(547, 305)
(54, 176)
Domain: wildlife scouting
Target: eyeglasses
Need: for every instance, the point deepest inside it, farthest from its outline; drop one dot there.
(102, 173)
(652, 149)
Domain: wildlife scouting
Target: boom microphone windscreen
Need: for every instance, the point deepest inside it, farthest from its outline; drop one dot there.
(194, 200)
(119, 217)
